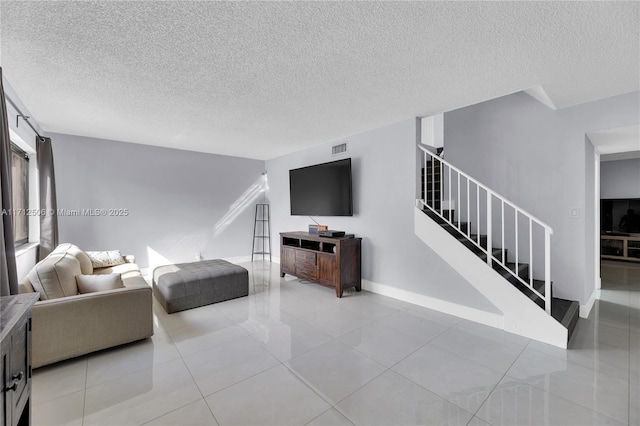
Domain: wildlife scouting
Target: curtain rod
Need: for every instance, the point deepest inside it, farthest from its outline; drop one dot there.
(24, 117)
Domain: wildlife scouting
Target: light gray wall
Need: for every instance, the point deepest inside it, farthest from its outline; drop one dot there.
(384, 182)
(620, 179)
(535, 156)
(176, 199)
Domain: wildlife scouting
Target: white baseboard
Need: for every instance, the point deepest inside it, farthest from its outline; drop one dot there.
(247, 259)
(586, 308)
(471, 314)
(238, 259)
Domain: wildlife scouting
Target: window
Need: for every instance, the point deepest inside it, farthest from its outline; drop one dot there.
(20, 186)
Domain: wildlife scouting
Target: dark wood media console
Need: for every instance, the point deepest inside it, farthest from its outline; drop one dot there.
(332, 262)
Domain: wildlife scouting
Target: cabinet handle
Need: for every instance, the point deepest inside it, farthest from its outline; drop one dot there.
(13, 387)
(18, 376)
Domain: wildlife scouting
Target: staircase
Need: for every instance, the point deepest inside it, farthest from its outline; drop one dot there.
(476, 218)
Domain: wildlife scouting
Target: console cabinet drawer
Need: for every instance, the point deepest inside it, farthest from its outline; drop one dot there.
(305, 258)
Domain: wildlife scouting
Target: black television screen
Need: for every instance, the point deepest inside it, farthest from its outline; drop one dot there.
(322, 189)
(620, 215)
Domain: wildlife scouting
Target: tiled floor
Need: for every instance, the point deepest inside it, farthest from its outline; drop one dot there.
(293, 353)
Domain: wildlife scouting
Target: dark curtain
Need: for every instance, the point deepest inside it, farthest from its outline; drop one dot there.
(48, 203)
(8, 274)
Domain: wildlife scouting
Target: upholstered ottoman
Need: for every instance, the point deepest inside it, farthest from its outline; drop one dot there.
(189, 285)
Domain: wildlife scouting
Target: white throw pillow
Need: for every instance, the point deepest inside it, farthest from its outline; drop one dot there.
(93, 283)
(104, 259)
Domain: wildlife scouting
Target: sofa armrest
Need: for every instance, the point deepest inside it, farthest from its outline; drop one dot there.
(76, 325)
(129, 258)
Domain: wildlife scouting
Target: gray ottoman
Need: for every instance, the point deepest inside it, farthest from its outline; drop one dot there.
(189, 285)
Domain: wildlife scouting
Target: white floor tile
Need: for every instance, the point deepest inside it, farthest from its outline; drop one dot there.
(273, 397)
(286, 340)
(194, 414)
(197, 337)
(300, 303)
(605, 359)
(589, 333)
(56, 380)
(634, 363)
(517, 403)
(392, 399)
(477, 421)
(381, 343)
(141, 397)
(634, 342)
(117, 362)
(66, 410)
(368, 307)
(336, 321)
(603, 393)
(187, 317)
(634, 406)
(611, 314)
(331, 417)
(334, 370)
(416, 324)
(441, 317)
(229, 363)
(251, 313)
(496, 350)
(460, 381)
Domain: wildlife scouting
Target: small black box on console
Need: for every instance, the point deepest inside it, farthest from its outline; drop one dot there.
(331, 233)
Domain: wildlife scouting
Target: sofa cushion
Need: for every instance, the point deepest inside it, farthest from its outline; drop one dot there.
(103, 259)
(55, 276)
(85, 262)
(94, 283)
(127, 270)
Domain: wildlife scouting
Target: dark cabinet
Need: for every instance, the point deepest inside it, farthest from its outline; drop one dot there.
(15, 359)
(332, 262)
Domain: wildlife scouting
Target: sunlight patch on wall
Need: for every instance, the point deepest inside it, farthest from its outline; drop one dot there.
(247, 198)
(156, 259)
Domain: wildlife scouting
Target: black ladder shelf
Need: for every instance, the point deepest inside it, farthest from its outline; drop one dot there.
(261, 232)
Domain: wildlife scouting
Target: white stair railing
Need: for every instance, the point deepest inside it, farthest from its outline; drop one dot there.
(479, 201)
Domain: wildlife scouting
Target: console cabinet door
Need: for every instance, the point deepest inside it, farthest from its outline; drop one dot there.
(288, 260)
(327, 269)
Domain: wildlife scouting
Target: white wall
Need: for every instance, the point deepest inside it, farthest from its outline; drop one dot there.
(177, 200)
(536, 157)
(384, 185)
(620, 179)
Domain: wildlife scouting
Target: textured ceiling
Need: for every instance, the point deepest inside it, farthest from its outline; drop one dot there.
(262, 79)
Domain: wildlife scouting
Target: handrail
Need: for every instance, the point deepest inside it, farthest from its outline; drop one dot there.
(495, 194)
(430, 203)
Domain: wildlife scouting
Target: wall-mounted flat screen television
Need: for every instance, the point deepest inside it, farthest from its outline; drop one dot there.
(322, 189)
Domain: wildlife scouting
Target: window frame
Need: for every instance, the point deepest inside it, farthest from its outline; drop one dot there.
(25, 179)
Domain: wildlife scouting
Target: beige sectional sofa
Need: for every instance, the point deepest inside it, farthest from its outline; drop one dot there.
(67, 323)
